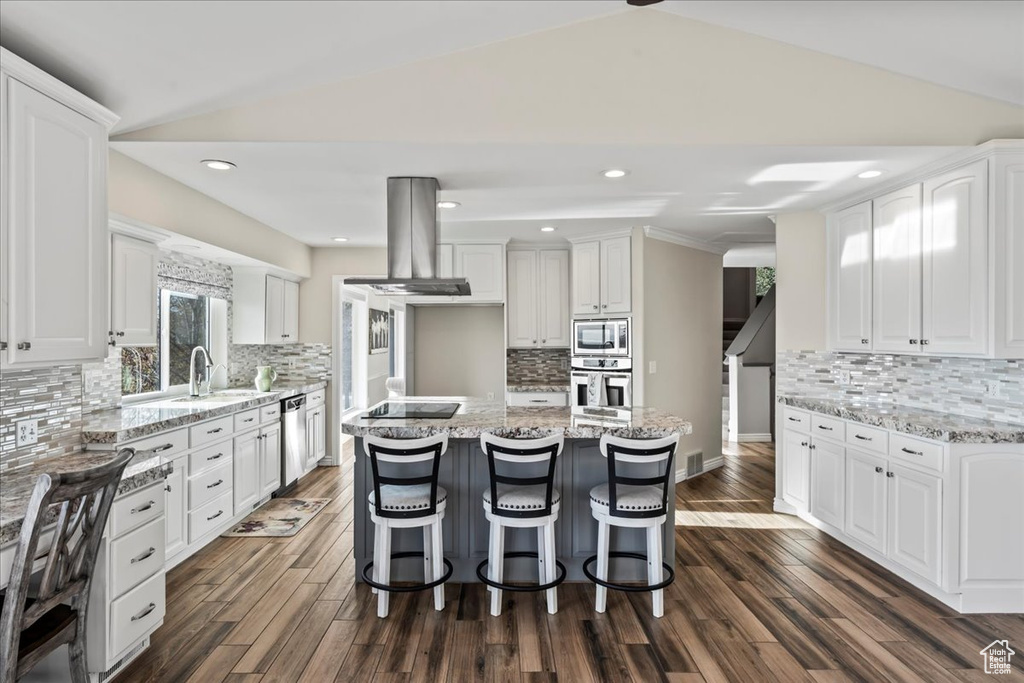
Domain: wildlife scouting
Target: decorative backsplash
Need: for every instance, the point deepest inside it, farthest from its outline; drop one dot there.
(988, 389)
(53, 397)
(290, 361)
(537, 366)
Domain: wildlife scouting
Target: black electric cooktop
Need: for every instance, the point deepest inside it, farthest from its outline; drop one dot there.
(412, 411)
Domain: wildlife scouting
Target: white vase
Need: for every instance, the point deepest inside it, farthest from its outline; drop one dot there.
(265, 377)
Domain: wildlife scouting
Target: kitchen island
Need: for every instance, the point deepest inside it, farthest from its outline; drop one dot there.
(464, 474)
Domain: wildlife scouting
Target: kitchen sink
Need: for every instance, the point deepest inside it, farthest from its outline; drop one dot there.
(223, 396)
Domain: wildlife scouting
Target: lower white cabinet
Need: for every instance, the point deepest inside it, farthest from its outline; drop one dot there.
(536, 399)
(270, 459)
(316, 433)
(866, 505)
(175, 509)
(247, 470)
(796, 469)
(915, 521)
(828, 463)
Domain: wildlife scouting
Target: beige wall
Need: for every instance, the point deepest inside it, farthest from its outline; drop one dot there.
(682, 325)
(315, 295)
(459, 351)
(800, 286)
(137, 192)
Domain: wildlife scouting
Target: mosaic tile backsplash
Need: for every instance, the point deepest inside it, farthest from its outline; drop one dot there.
(53, 397)
(292, 362)
(537, 366)
(987, 389)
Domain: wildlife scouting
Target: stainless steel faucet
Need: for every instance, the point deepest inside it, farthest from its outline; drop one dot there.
(195, 382)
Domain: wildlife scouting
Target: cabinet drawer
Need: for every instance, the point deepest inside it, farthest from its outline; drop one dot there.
(867, 438)
(827, 427)
(916, 451)
(211, 456)
(270, 413)
(316, 398)
(137, 613)
(798, 420)
(169, 443)
(137, 556)
(136, 508)
(209, 517)
(210, 431)
(540, 398)
(247, 419)
(206, 486)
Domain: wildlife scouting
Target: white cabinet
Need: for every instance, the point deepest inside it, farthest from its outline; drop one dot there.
(602, 276)
(915, 517)
(316, 436)
(849, 278)
(828, 462)
(55, 276)
(538, 298)
(247, 471)
(897, 271)
(796, 469)
(484, 266)
(265, 308)
(174, 509)
(270, 459)
(866, 506)
(1007, 186)
(133, 290)
(954, 266)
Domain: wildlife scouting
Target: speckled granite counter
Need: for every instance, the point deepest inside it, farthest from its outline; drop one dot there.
(541, 388)
(136, 421)
(927, 424)
(16, 485)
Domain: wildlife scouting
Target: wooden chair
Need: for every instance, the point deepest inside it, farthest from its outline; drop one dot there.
(32, 626)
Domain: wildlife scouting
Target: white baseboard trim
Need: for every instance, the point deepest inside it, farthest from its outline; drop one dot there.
(783, 507)
(708, 466)
(753, 438)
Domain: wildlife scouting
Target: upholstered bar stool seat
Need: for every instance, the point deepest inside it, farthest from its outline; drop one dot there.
(629, 497)
(416, 497)
(522, 497)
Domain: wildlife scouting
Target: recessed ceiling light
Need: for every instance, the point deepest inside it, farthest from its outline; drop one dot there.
(341, 239)
(869, 174)
(447, 204)
(218, 164)
(614, 173)
(548, 228)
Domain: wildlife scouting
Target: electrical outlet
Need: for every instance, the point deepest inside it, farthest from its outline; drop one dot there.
(844, 376)
(28, 432)
(652, 367)
(993, 388)
(292, 362)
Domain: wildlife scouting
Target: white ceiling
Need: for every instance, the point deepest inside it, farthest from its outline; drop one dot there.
(317, 191)
(158, 61)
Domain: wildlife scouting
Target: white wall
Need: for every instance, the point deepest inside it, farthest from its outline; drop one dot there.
(459, 351)
(800, 285)
(315, 294)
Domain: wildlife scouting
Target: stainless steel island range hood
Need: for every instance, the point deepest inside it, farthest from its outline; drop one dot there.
(412, 244)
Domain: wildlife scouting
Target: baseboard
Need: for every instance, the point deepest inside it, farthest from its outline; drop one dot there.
(708, 466)
(783, 507)
(753, 438)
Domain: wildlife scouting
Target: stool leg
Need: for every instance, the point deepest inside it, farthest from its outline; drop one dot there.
(376, 554)
(385, 570)
(552, 568)
(428, 553)
(495, 564)
(601, 599)
(654, 569)
(438, 557)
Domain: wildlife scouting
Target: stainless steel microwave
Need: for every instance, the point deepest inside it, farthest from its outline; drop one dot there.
(604, 337)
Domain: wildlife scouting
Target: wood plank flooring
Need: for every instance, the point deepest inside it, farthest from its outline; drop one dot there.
(757, 597)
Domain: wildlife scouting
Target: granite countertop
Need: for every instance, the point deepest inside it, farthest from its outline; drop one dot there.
(545, 388)
(476, 416)
(16, 485)
(928, 424)
(144, 419)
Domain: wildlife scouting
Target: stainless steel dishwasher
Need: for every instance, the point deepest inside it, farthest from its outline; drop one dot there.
(293, 415)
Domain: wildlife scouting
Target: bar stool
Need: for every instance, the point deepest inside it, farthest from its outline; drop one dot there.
(406, 500)
(521, 502)
(634, 502)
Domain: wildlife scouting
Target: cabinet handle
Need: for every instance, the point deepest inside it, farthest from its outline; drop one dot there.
(219, 513)
(827, 429)
(145, 612)
(215, 431)
(167, 488)
(144, 507)
(803, 443)
(537, 400)
(249, 419)
(862, 438)
(144, 556)
(160, 449)
(913, 341)
(878, 469)
(215, 484)
(925, 342)
(24, 346)
(3, 346)
(864, 341)
(907, 450)
(214, 457)
(794, 419)
(890, 475)
(112, 343)
(120, 334)
(812, 446)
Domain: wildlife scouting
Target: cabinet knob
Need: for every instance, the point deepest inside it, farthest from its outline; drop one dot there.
(913, 341)
(24, 346)
(3, 346)
(878, 469)
(120, 334)
(925, 342)
(864, 341)
(534, 341)
(112, 342)
(543, 341)
(604, 305)
(890, 475)
(803, 443)
(595, 307)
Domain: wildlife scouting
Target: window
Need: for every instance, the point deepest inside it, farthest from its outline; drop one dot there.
(354, 348)
(765, 280)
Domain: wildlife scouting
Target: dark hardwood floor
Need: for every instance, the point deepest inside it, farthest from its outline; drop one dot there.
(757, 597)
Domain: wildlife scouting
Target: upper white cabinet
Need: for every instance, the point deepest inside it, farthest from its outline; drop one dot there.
(133, 290)
(484, 266)
(849, 244)
(897, 271)
(602, 276)
(538, 298)
(54, 245)
(266, 308)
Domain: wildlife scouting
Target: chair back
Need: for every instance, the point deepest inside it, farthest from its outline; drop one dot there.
(518, 452)
(405, 462)
(628, 454)
(84, 498)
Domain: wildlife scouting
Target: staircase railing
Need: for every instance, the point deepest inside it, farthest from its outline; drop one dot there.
(755, 343)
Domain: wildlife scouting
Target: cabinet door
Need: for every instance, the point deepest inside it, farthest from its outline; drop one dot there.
(796, 469)
(586, 278)
(270, 460)
(290, 331)
(897, 271)
(133, 290)
(616, 275)
(915, 521)
(553, 298)
(246, 471)
(866, 505)
(321, 433)
(309, 463)
(484, 266)
(828, 474)
(174, 508)
(275, 310)
(849, 278)
(58, 249)
(522, 299)
(955, 262)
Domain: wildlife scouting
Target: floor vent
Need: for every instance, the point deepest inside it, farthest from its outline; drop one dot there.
(694, 463)
(120, 664)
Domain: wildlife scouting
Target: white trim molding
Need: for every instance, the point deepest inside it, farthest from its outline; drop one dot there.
(753, 438)
(712, 464)
(674, 238)
(130, 229)
(603, 235)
